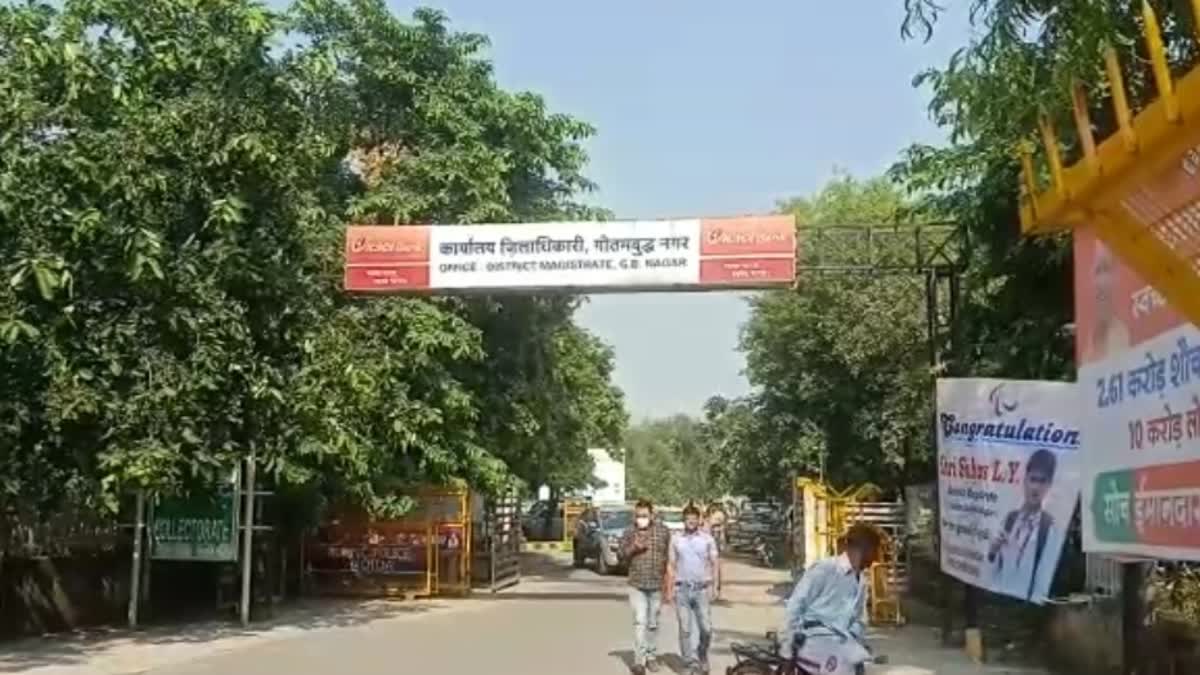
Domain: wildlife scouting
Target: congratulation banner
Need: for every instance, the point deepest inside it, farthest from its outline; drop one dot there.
(1139, 379)
(623, 256)
(1008, 481)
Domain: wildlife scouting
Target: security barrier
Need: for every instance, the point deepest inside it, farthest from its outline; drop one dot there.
(497, 546)
(888, 579)
(351, 555)
(449, 510)
(572, 510)
(427, 552)
(821, 516)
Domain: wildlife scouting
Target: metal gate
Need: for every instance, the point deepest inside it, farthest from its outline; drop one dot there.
(498, 557)
(892, 519)
(889, 577)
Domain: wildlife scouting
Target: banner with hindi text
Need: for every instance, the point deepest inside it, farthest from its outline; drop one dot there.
(619, 256)
(1139, 380)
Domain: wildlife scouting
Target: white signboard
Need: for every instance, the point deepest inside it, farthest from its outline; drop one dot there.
(1008, 481)
(750, 252)
(1139, 380)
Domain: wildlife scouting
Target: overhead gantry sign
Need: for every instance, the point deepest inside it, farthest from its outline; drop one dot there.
(592, 257)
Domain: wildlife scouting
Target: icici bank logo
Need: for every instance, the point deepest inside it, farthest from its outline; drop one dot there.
(400, 246)
(721, 237)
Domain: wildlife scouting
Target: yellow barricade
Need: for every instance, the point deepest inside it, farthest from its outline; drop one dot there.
(572, 510)
(449, 511)
(353, 555)
(427, 552)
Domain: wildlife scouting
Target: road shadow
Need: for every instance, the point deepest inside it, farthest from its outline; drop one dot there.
(311, 614)
(674, 663)
(723, 640)
(671, 662)
(552, 576)
(625, 656)
(543, 566)
(781, 591)
(554, 595)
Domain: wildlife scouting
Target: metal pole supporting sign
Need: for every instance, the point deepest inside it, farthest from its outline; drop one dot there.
(135, 574)
(247, 539)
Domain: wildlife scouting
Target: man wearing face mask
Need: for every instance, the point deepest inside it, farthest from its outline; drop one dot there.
(644, 548)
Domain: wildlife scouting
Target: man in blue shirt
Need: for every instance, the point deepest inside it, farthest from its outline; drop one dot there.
(832, 591)
(693, 566)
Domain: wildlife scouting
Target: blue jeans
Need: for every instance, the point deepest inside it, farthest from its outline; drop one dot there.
(694, 612)
(646, 607)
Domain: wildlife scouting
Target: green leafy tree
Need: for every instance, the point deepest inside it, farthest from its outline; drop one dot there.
(839, 365)
(155, 222)
(674, 460)
(1022, 60)
(172, 196)
(755, 455)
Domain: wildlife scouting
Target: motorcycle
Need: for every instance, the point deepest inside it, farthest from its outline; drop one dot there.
(819, 649)
(765, 552)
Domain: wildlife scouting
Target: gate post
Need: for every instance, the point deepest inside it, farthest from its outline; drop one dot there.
(1132, 616)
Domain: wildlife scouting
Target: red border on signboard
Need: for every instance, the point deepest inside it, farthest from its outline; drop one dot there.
(383, 258)
(735, 252)
(749, 236)
(1114, 308)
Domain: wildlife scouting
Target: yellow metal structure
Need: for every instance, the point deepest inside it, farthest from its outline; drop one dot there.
(572, 510)
(1139, 189)
(354, 555)
(883, 596)
(449, 511)
(824, 510)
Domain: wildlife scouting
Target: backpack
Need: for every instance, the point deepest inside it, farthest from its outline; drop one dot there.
(1043, 531)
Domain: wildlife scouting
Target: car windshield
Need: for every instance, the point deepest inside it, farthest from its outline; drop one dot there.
(613, 520)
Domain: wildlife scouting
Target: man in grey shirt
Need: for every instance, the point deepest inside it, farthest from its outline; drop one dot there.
(694, 570)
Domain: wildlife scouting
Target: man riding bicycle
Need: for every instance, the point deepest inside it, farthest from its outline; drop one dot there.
(832, 591)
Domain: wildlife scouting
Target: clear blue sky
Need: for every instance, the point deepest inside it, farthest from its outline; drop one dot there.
(703, 109)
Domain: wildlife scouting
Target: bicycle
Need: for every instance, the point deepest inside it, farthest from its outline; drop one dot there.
(755, 659)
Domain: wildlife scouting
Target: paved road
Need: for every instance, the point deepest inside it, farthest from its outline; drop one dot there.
(557, 621)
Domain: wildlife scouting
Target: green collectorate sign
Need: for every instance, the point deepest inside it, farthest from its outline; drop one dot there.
(199, 527)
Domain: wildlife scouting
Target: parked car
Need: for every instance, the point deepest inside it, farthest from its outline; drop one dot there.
(598, 536)
(543, 521)
(672, 518)
(757, 520)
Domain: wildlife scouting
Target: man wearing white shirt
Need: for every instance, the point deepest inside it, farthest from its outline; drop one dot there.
(1017, 555)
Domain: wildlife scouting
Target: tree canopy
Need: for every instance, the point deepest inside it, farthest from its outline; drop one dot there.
(672, 461)
(839, 366)
(173, 188)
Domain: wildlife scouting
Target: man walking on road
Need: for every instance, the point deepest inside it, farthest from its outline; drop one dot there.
(714, 522)
(644, 547)
(694, 568)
